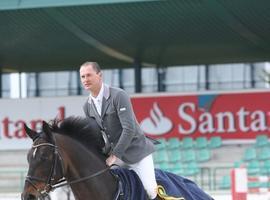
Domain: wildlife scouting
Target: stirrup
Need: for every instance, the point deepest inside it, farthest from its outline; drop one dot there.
(162, 194)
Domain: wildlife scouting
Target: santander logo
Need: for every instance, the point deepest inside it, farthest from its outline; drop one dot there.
(156, 123)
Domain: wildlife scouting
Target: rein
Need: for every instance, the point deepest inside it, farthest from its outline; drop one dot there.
(49, 185)
(60, 184)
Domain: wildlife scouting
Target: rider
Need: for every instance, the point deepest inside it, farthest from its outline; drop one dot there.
(112, 109)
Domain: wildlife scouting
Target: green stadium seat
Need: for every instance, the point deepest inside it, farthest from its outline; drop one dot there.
(250, 154)
(162, 145)
(191, 169)
(239, 163)
(254, 184)
(175, 156)
(189, 156)
(173, 143)
(225, 182)
(264, 184)
(201, 142)
(215, 142)
(164, 166)
(203, 155)
(264, 153)
(265, 168)
(187, 143)
(261, 140)
(253, 167)
(160, 156)
(177, 168)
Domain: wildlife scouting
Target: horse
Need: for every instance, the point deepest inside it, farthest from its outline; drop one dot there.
(72, 150)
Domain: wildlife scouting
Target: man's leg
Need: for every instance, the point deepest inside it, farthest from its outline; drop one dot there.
(146, 172)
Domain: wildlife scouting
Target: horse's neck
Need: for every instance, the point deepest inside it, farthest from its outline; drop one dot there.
(80, 163)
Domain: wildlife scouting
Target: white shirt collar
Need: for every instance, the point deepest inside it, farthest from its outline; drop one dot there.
(99, 96)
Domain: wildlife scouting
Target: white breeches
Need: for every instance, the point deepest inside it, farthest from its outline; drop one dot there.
(146, 172)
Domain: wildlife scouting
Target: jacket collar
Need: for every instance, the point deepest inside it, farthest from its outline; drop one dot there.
(105, 102)
(106, 92)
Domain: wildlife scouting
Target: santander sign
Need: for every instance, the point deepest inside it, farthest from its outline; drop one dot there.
(237, 115)
(15, 112)
(15, 129)
(222, 122)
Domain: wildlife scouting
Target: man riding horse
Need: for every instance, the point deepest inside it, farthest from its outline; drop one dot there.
(72, 152)
(112, 109)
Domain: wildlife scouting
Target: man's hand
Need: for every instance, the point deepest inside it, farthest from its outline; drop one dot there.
(111, 160)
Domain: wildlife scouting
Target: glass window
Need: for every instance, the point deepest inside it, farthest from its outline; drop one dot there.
(58, 83)
(15, 85)
(260, 75)
(30, 82)
(6, 85)
(229, 76)
(111, 77)
(128, 79)
(266, 74)
(177, 79)
(149, 80)
(185, 78)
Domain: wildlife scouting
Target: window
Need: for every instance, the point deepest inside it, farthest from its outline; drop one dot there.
(185, 78)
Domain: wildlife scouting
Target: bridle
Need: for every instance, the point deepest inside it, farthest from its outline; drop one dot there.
(49, 183)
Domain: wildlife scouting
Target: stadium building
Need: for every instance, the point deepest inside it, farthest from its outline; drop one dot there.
(198, 73)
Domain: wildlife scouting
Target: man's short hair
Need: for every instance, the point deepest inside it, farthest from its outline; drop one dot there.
(95, 66)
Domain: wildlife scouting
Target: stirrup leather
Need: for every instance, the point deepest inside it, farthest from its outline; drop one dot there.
(162, 194)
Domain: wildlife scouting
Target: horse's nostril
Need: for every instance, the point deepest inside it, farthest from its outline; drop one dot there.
(32, 197)
(29, 197)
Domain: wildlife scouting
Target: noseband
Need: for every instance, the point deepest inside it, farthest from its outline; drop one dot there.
(49, 186)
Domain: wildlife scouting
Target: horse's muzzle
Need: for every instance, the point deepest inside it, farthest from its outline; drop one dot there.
(28, 197)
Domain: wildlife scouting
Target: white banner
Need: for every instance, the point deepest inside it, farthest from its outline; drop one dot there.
(15, 112)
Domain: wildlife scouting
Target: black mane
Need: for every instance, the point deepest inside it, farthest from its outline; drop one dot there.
(84, 130)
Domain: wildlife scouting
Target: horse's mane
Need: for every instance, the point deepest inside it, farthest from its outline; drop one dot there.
(84, 130)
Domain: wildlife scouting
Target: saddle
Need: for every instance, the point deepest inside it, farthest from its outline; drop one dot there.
(129, 189)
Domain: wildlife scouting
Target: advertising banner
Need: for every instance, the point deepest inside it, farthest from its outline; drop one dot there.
(232, 115)
(15, 112)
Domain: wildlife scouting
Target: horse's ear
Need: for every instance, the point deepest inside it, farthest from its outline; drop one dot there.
(32, 134)
(47, 130)
(45, 127)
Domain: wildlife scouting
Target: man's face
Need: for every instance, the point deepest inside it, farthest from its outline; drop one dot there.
(91, 80)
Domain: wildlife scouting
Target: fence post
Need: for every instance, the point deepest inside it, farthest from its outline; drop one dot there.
(239, 184)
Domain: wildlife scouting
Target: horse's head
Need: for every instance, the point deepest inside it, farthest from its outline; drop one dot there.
(45, 166)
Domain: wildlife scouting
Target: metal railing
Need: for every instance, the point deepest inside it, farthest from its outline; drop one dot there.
(12, 180)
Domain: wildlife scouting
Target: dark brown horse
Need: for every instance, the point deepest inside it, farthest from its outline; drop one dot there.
(73, 153)
(73, 150)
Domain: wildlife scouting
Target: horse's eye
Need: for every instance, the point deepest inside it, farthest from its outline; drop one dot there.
(43, 158)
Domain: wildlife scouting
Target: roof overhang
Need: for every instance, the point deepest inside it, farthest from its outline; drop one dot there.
(58, 35)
